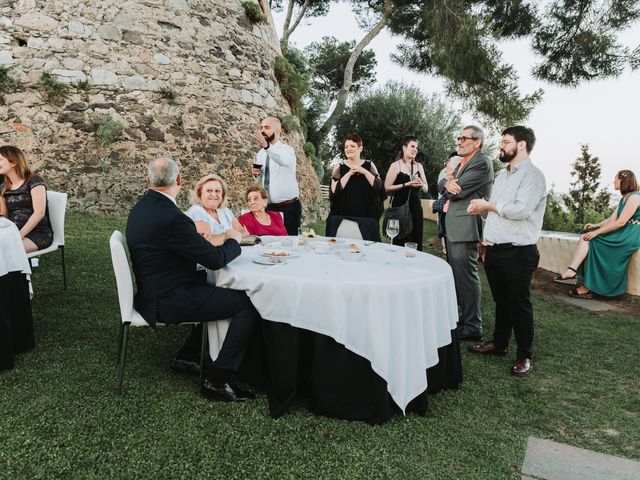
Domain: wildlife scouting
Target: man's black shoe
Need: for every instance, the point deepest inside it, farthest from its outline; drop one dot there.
(464, 336)
(184, 365)
(225, 392)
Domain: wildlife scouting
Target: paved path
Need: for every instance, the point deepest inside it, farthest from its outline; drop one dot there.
(591, 305)
(547, 460)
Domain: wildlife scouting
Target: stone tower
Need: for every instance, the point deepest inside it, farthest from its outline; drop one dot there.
(186, 78)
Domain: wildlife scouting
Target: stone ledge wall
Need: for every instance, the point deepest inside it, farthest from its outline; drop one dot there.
(218, 64)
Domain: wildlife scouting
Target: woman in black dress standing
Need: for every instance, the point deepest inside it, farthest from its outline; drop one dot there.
(405, 179)
(23, 199)
(355, 184)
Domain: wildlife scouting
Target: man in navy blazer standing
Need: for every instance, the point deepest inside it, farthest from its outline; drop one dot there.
(165, 248)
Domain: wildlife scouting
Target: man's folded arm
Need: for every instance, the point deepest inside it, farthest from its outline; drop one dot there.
(184, 240)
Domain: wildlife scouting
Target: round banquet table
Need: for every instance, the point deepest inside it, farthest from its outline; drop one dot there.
(16, 323)
(363, 337)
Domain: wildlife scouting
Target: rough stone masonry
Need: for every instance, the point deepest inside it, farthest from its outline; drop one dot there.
(186, 78)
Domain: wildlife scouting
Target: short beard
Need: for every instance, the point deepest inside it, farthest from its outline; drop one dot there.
(269, 139)
(505, 157)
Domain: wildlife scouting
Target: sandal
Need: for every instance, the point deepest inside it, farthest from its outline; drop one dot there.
(574, 293)
(567, 281)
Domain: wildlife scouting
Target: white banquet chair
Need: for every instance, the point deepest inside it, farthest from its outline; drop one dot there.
(57, 206)
(131, 317)
(349, 229)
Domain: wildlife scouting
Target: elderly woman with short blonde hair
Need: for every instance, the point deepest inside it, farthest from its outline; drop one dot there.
(209, 211)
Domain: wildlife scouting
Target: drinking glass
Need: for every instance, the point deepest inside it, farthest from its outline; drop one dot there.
(410, 249)
(256, 171)
(393, 228)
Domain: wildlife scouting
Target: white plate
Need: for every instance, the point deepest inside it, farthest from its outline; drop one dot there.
(269, 261)
(351, 256)
(329, 240)
(273, 244)
(278, 253)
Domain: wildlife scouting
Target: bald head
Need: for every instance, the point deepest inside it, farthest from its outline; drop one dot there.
(271, 128)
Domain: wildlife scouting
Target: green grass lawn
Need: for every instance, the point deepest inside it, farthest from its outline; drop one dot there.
(61, 416)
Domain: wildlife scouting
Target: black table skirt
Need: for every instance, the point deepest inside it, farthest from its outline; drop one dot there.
(16, 322)
(289, 362)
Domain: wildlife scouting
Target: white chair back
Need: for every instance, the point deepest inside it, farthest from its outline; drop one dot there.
(57, 203)
(349, 229)
(57, 206)
(124, 281)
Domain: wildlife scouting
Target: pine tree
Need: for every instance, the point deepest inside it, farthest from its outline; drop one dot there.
(583, 196)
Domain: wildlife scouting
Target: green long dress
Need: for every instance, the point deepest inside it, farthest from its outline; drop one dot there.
(605, 268)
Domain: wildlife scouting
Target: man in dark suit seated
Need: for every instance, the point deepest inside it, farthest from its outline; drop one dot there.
(165, 248)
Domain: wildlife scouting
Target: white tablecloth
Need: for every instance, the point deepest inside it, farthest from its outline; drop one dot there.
(12, 255)
(392, 310)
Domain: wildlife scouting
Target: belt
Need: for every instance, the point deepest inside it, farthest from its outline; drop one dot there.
(503, 246)
(286, 202)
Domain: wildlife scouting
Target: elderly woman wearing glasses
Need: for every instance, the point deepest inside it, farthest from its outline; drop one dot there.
(208, 210)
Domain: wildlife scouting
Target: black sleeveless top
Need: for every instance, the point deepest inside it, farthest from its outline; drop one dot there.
(358, 198)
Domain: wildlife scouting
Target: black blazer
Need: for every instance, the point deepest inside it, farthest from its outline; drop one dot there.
(165, 248)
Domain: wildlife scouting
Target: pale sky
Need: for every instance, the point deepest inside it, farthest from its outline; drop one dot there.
(603, 114)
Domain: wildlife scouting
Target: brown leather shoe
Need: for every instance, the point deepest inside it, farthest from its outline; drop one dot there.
(522, 367)
(488, 349)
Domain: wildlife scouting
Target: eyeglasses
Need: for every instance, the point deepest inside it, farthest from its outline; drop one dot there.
(463, 139)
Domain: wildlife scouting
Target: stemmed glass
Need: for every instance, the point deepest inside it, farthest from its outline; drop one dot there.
(393, 228)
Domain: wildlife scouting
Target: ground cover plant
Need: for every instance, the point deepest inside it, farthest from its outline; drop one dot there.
(61, 417)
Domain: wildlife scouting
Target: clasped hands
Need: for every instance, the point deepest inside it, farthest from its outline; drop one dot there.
(417, 183)
(590, 235)
(478, 206)
(355, 170)
(229, 233)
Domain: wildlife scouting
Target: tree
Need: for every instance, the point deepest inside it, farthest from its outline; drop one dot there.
(556, 216)
(383, 117)
(583, 197)
(308, 8)
(458, 40)
(327, 61)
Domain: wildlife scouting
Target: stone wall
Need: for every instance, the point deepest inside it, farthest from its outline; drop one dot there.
(123, 60)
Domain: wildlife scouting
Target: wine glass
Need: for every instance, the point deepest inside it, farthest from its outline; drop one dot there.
(393, 228)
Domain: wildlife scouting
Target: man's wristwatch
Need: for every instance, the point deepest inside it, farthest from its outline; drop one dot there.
(267, 147)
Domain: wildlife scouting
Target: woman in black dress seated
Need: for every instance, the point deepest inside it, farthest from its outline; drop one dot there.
(405, 179)
(23, 199)
(355, 184)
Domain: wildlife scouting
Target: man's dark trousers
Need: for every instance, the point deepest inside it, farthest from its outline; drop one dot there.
(509, 271)
(292, 214)
(223, 304)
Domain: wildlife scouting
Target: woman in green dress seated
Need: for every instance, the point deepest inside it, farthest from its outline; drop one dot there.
(603, 253)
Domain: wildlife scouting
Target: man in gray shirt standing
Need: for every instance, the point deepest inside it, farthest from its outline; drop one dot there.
(514, 216)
